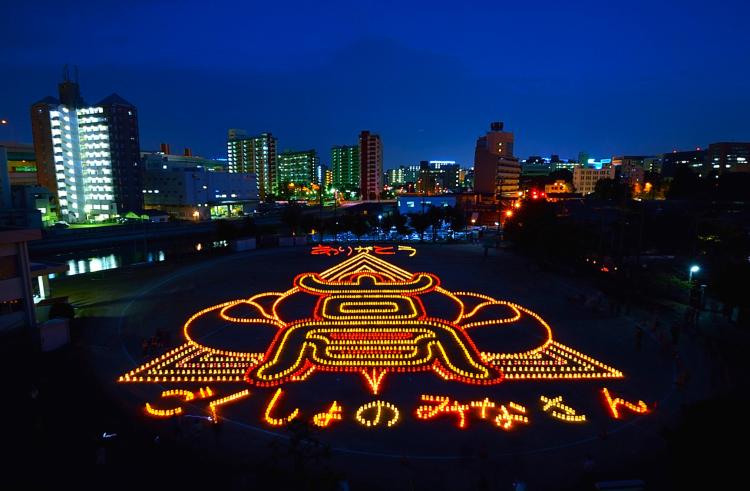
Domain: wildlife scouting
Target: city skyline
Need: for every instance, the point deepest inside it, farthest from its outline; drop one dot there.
(657, 89)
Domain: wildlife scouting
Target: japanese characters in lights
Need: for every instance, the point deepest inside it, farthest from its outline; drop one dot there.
(506, 419)
(226, 400)
(556, 408)
(377, 413)
(325, 418)
(640, 407)
(183, 394)
(371, 318)
(270, 407)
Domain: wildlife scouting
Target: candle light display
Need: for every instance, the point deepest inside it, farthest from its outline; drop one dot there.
(557, 409)
(225, 400)
(373, 414)
(373, 318)
(325, 418)
(270, 407)
(613, 404)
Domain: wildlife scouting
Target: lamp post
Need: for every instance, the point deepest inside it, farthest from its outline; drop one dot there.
(693, 269)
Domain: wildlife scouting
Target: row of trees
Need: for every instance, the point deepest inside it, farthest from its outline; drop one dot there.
(360, 224)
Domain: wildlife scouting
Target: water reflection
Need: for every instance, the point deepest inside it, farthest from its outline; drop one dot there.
(84, 262)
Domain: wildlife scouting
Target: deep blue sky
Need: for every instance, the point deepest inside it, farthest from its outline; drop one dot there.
(605, 77)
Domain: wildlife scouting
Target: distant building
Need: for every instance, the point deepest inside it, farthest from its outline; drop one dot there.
(633, 160)
(87, 155)
(727, 156)
(167, 161)
(585, 178)
(630, 171)
(695, 160)
(496, 170)
(196, 193)
(447, 174)
(565, 165)
(396, 177)
(417, 203)
(536, 169)
(652, 164)
(328, 179)
(558, 187)
(298, 168)
(345, 167)
(21, 163)
(320, 175)
(257, 155)
(370, 165)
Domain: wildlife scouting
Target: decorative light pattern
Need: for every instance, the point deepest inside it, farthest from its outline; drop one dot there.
(324, 419)
(557, 409)
(378, 408)
(399, 338)
(374, 379)
(370, 318)
(225, 400)
(186, 396)
(639, 408)
(442, 405)
(483, 406)
(327, 250)
(271, 405)
(506, 420)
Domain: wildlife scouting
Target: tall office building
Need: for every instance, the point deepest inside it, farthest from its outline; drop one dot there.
(370, 165)
(345, 167)
(256, 154)
(496, 170)
(88, 155)
(298, 168)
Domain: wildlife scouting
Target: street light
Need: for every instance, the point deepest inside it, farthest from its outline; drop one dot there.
(693, 269)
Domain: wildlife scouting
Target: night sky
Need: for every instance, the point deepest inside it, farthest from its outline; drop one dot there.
(605, 77)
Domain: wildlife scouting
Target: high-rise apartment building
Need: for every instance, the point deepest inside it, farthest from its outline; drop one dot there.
(496, 170)
(370, 165)
(345, 167)
(298, 168)
(255, 154)
(125, 152)
(88, 155)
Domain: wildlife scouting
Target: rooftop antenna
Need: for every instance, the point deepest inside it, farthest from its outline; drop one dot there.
(66, 73)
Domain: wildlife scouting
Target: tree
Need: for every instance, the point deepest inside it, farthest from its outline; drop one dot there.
(292, 217)
(685, 184)
(612, 190)
(435, 219)
(456, 218)
(419, 222)
(356, 224)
